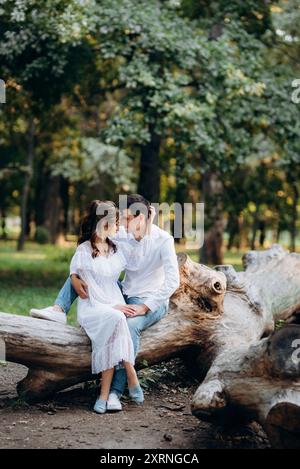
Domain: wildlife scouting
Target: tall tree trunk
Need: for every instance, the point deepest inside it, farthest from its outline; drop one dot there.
(27, 181)
(64, 193)
(149, 178)
(212, 190)
(233, 228)
(180, 191)
(41, 185)
(254, 229)
(262, 235)
(3, 223)
(53, 209)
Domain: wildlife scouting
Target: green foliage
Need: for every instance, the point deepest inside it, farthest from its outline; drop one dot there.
(212, 79)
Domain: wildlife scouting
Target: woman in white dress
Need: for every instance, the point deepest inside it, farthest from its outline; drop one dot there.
(99, 262)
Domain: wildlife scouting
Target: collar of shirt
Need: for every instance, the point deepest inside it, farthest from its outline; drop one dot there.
(154, 234)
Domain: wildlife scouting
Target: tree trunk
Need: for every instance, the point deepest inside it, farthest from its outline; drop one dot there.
(221, 320)
(149, 178)
(3, 223)
(180, 195)
(233, 228)
(53, 209)
(41, 184)
(254, 229)
(212, 190)
(65, 203)
(27, 181)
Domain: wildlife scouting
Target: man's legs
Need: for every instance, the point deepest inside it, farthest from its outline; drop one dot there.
(61, 307)
(136, 326)
(66, 296)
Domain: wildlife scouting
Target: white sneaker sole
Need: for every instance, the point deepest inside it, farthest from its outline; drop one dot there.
(35, 313)
(113, 408)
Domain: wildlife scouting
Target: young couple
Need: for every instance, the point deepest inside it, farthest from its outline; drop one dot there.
(113, 314)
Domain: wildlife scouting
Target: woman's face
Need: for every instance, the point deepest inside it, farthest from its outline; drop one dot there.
(107, 228)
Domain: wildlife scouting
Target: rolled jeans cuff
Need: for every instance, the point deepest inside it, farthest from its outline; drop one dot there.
(61, 305)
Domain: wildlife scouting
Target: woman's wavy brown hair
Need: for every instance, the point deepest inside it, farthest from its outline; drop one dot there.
(88, 227)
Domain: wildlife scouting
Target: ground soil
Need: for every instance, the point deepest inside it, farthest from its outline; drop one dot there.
(165, 420)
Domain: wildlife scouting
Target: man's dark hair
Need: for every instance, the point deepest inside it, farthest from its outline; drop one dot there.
(138, 199)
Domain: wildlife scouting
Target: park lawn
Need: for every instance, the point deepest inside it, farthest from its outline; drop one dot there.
(33, 278)
(19, 300)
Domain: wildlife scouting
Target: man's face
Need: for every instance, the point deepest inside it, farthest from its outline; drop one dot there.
(131, 223)
(127, 220)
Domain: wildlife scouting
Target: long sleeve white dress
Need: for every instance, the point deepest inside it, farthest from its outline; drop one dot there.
(106, 326)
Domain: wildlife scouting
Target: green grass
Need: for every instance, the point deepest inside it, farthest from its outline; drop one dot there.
(37, 265)
(33, 278)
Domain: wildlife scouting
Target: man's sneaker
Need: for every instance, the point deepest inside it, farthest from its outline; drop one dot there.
(113, 403)
(136, 394)
(50, 314)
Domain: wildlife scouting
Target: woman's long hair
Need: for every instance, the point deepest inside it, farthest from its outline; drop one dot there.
(97, 211)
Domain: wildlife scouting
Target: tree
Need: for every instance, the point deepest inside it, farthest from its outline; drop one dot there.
(38, 49)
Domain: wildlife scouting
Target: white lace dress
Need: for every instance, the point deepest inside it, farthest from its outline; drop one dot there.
(106, 326)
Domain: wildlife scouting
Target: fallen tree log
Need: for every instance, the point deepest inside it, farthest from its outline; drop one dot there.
(223, 319)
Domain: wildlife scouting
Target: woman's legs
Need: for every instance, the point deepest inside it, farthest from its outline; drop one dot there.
(107, 376)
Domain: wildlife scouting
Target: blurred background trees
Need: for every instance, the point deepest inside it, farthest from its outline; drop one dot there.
(182, 101)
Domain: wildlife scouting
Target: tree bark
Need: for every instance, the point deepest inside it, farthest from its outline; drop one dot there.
(149, 178)
(3, 223)
(27, 181)
(53, 215)
(223, 321)
(65, 203)
(212, 249)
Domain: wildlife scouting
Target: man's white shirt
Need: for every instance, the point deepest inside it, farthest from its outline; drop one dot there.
(157, 275)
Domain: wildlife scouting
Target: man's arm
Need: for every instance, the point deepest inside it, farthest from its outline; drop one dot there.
(79, 285)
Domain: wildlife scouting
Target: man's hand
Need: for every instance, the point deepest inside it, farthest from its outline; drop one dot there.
(128, 310)
(140, 310)
(80, 287)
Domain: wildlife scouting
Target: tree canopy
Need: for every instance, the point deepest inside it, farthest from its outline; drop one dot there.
(179, 100)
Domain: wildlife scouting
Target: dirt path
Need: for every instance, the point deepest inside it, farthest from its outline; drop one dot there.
(164, 421)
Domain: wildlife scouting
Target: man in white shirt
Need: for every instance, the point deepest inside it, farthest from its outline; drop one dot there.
(148, 288)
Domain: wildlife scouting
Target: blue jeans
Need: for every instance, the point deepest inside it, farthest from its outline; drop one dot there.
(136, 325)
(66, 296)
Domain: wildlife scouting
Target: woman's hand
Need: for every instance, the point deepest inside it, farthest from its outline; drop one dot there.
(140, 309)
(80, 287)
(128, 310)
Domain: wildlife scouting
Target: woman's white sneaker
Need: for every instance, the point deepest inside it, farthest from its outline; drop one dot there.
(50, 314)
(113, 403)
